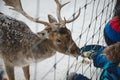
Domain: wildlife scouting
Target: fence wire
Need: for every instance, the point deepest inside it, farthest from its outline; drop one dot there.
(94, 16)
(93, 33)
(90, 32)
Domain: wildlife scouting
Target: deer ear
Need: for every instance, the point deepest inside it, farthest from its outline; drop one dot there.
(51, 19)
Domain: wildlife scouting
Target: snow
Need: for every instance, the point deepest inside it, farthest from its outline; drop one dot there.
(38, 71)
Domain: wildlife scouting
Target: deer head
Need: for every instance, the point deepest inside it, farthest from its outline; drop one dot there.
(55, 30)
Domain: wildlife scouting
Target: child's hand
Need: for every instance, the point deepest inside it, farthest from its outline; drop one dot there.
(88, 54)
(75, 76)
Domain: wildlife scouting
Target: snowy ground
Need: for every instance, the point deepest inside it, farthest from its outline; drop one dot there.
(39, 70)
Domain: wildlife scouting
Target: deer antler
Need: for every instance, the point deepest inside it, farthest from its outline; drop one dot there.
(74, 17)
(17, 6)
(59, 6)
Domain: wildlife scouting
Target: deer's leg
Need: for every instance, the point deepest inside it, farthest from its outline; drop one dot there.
(26, 72)
(10, 72)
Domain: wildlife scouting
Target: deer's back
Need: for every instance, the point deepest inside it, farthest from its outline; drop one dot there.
(15, 35)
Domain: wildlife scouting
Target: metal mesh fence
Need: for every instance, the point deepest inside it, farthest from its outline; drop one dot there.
(94, 16)
(88, 29)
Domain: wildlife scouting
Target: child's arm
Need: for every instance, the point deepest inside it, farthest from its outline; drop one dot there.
(95, 52)
(99, 60)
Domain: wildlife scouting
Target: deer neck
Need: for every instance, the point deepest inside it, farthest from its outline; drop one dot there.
(43, 49)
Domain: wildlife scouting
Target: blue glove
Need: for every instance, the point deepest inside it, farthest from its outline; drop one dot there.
(80, 77)
(75, 76)
(89, 50)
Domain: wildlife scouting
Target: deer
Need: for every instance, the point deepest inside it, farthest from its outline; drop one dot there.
(20, 46)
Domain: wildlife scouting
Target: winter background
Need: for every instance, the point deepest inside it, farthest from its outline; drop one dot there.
(82, 30)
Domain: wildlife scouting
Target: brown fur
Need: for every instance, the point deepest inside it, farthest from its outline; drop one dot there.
(19, 46)
(113, 52)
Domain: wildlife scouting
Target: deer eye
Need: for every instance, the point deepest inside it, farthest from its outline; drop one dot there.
(43, 34)
(58, 41)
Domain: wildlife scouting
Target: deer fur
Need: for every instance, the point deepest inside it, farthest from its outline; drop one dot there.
(19, 46)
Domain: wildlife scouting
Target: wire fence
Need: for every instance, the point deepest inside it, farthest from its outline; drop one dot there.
(101, 12)
(94, 15)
